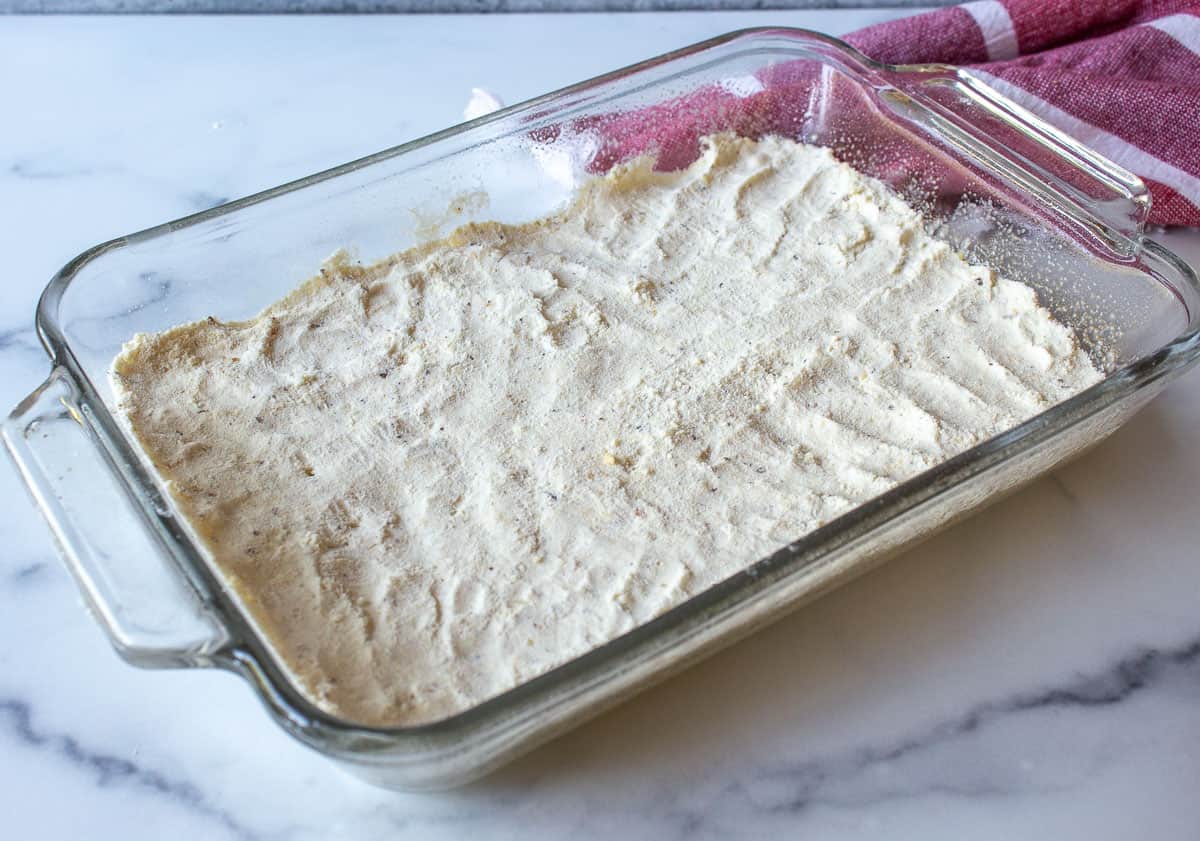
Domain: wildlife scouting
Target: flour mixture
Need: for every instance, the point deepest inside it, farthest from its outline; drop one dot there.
(434, 478)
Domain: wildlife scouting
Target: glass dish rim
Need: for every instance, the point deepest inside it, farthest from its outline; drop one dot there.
(249, 655)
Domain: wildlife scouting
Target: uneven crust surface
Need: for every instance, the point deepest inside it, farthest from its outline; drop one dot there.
(437, 477)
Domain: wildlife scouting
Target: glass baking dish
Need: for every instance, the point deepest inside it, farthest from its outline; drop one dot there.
(1006, 188)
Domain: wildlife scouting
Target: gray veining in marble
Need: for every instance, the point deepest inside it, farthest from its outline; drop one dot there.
(110, 770)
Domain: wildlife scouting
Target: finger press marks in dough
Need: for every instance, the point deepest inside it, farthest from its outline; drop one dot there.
(301, 465)
(270, 337)
(378, 296)
(440, 475)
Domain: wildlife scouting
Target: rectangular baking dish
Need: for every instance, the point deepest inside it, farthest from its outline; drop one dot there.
(1006, 188)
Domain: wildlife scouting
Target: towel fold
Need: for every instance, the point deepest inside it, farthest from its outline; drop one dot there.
(1121, 76)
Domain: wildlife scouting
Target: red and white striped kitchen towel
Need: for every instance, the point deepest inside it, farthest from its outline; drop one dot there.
(1121, 76)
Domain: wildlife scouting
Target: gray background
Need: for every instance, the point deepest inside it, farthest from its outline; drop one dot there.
(269, 6)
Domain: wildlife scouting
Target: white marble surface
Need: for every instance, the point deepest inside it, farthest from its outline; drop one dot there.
(1032, 673)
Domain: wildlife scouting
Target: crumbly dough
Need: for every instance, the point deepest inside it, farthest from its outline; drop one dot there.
(434, 478)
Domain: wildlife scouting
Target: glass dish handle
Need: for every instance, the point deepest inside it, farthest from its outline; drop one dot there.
(153, 615)
(1108, 198)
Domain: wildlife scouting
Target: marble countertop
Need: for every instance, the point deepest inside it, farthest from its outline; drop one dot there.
(1032, 673)
(426, 6)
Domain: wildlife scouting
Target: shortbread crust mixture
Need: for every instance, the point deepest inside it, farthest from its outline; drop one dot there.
(434, 478)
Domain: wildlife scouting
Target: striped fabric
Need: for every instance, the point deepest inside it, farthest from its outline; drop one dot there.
(1122, 76)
